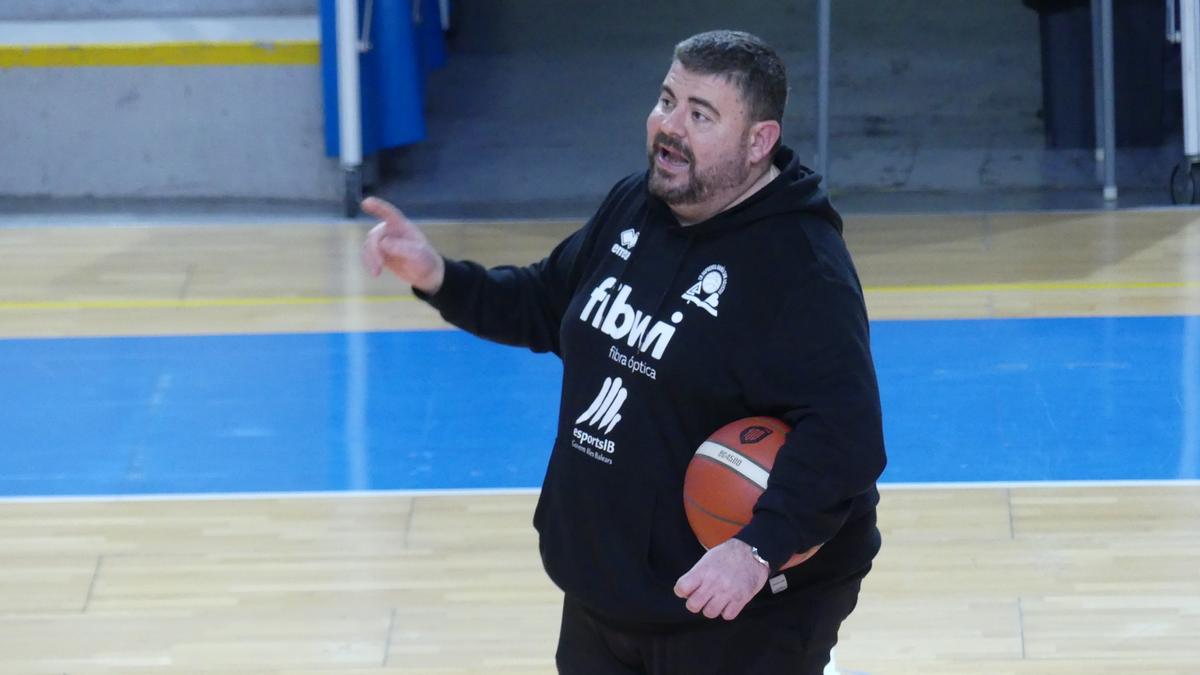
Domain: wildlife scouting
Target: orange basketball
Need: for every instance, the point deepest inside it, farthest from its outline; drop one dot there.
(727, 475)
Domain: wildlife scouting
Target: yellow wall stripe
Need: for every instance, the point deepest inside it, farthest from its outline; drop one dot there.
(169, 303)
(279, 53)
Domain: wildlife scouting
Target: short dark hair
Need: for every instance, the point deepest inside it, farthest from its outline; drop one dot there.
(746, 61)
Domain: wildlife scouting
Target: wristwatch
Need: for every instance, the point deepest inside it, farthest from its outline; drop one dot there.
(754, 552)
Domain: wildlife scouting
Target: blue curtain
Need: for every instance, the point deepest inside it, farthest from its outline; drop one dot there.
(406, 43)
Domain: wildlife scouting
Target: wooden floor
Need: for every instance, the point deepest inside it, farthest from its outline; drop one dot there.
(1021, 581)
(179, 279)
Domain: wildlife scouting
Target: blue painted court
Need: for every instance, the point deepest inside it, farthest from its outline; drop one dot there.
(964, 400)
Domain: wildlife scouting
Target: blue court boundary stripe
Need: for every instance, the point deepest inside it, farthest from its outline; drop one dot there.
(997, 472)
(507, 492)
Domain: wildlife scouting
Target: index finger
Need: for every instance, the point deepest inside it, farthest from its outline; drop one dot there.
(686, 585)
(394, 219)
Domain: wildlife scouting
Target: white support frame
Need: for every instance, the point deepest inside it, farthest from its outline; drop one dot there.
(349, 101)
(1189, 30)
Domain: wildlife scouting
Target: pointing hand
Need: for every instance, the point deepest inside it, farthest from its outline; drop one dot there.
(400, 246)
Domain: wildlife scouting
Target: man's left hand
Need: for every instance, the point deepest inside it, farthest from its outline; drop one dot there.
(723, 581)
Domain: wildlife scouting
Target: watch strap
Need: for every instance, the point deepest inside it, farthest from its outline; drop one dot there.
(757, 556)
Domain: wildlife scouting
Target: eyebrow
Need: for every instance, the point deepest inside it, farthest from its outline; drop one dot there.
(696, 100)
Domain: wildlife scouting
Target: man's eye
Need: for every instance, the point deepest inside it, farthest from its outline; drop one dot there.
(665, 102)
(699, 117)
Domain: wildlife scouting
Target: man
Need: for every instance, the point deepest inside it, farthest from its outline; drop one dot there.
(711, 287)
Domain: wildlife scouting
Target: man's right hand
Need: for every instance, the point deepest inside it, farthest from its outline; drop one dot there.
(400, 246)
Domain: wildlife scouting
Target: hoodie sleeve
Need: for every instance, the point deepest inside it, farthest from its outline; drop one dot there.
(520, 306)
(523, 306)
(814, 370)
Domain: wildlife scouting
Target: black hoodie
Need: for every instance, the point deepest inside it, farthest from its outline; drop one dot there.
(667, 333)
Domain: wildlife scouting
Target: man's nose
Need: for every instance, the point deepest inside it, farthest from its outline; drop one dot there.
(672, 124)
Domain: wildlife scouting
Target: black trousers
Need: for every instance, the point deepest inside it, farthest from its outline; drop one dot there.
(790, 637)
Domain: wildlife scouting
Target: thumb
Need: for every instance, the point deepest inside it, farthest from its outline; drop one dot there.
(394, 247)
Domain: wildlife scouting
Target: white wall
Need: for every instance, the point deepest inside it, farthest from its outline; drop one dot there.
(28, 10)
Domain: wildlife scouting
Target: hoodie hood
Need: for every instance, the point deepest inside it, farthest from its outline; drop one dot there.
(796, 191)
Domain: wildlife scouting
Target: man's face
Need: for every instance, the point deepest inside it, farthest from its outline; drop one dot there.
(696, 138)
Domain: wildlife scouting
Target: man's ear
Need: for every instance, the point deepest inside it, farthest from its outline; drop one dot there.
(763, 136)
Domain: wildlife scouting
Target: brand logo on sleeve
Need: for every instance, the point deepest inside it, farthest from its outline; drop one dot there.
(706, 292)
(624, 246)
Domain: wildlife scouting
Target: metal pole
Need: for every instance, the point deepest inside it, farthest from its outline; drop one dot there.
(1189, 24)
(349, 110)
(349, 104)
(1098, 89)
(1110, 127)
(823, 29)
(1172, 23)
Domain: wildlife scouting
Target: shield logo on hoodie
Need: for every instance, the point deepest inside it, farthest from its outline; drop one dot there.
(706, 292)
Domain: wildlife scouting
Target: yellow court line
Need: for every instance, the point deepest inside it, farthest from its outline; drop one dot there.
(282, 301)
(194, 303)
(275, 53)
(1037, 287)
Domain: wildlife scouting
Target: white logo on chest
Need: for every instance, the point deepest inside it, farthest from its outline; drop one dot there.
(614, 317)
(629, 239)
(602, 414)
(706, 292)
(605, 410)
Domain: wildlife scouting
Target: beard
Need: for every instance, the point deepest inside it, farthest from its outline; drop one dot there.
(730, 172)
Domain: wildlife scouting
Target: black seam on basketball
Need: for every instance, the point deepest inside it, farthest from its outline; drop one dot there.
(739, 453)
(711, 514)
(737, 473)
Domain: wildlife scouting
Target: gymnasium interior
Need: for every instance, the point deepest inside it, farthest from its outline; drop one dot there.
(226, 448)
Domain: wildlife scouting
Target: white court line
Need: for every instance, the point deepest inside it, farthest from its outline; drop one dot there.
(485, 492)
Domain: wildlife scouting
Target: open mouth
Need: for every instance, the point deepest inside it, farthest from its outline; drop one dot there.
(670, 158)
